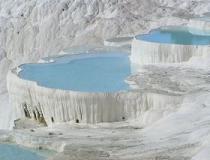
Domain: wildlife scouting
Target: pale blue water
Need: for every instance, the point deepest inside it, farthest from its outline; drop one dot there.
(180, 36)
(104, 72)
(13, 152)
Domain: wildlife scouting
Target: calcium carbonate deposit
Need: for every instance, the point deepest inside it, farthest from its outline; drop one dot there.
(172, 44)
(163, 115)
(200, 26)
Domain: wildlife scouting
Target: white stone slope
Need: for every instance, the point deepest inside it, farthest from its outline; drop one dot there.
(38, 28)
(44, 29)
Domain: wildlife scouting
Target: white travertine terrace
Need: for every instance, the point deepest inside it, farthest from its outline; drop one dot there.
(56, 106)
(145, 52)
(39, 28)
(199, 26)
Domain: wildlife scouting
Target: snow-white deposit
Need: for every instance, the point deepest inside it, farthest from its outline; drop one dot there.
(181, 133)
(145, 52)
(38, 28)
(151, 48)
(56, 106)
(200, 26)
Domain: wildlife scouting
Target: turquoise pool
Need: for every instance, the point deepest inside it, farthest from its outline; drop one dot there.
(13, 152)
(175, 35)
(92, 72)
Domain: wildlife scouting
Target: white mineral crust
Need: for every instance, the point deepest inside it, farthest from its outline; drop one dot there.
(169, 128)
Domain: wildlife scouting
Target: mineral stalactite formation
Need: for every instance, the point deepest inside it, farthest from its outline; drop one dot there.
(170, 44)
(51, 106)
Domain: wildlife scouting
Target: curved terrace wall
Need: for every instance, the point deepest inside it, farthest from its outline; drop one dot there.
(55, 106)
(145, 52)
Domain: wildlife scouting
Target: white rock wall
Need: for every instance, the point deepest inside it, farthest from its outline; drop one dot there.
(199, 26)
(33, 29)
(144, 52)
(66, 106)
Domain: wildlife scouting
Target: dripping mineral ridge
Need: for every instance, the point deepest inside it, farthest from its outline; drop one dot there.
(165, 114)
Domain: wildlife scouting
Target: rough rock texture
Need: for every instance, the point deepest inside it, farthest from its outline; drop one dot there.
(38, 28)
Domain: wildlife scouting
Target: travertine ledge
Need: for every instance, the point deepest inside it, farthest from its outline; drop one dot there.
(51, 106)
(145, 52)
